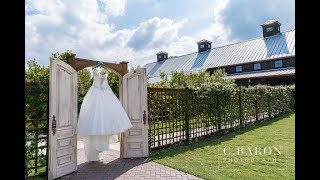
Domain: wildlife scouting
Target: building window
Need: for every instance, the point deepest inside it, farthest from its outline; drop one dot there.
(278, 64)
(208, 45)
(164, 56)
(201, 46)
(223, 70)
(238, 68)
(269, 29)
(159, 56)
(257, 66)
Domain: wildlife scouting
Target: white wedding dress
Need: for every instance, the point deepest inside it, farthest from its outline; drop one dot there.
(101, 118)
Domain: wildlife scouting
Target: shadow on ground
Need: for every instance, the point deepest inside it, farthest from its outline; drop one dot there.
(106, 168)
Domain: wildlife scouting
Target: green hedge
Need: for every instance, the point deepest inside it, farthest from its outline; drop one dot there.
(197, 112)
(219, 103)
(226, 101)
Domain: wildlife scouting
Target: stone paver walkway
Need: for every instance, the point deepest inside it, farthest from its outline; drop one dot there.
(111, 166)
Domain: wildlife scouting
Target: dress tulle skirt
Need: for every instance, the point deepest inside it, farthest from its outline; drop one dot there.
(95, 144)
(101, 119)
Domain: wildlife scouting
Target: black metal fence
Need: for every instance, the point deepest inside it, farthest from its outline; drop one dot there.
(181, 116)
(36, 130)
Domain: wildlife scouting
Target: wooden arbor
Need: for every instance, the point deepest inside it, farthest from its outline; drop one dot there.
(79, 63)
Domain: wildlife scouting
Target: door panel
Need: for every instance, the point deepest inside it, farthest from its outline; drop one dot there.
(135, 140)
(63, 114)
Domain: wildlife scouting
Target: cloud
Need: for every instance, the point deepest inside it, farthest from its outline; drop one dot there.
(113, 7)
(216, 31)
(155, 33)
(83, 27)
(53, 26)
(144, 34)
(89, 29)
(244, 17)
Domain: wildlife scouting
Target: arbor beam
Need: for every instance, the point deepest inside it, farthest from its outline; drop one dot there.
(80, 63)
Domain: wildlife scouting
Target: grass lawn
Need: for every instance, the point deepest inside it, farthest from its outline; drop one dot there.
(237, 155)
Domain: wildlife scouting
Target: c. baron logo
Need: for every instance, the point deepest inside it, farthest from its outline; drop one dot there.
(252, 151)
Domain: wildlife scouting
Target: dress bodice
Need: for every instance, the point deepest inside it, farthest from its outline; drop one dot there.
(100, 81)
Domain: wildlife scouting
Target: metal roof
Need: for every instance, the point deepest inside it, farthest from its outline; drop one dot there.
(278, 46)
(266, 73)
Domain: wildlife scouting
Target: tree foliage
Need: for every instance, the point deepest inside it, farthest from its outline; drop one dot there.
(63, 56)
(37, 96)
(113, 81)
(195, 80)
(84, 83)
(217, 96)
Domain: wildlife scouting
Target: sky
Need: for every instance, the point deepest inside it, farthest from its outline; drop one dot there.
(135, 30)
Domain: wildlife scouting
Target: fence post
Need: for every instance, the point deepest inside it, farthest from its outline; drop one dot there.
(219, 114)
(269, 108)
(240, 108)
(186, 117)
(256, 105)
(256, 109)
(37, 141)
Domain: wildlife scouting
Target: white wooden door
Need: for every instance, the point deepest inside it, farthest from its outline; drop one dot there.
(134, 142)
(63, 119)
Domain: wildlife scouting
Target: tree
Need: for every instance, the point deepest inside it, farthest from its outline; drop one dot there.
(36, 73)
(113, 81)
(37, 97)
(63, 56)
(193, 80)
(84, 83)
